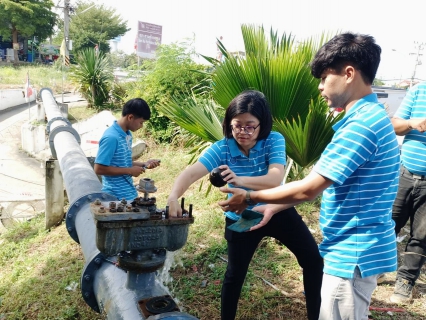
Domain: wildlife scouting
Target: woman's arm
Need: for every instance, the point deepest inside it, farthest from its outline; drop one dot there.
(272, 179)
(181, 184)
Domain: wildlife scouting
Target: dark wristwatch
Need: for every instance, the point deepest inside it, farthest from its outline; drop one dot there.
(248, 199)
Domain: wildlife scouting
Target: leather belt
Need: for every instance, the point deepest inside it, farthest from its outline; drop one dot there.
(413, 175)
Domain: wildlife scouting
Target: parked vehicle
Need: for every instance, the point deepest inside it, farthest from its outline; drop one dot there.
(390, 97)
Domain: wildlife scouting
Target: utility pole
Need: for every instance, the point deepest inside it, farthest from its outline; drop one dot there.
(418, 62)
(66, 32)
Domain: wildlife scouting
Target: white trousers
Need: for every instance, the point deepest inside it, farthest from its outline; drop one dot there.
(346, 298)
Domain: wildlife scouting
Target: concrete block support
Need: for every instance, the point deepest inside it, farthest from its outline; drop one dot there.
(33, 138)
(138, 148)
(41, 114)
(54, 194)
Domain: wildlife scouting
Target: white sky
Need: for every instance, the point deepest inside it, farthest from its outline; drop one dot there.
(397, 26)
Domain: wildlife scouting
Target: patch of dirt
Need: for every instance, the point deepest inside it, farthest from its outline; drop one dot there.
(416, 309)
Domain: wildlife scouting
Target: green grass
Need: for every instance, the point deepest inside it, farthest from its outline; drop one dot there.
(36, 267)
(77, 114)
(12, 77)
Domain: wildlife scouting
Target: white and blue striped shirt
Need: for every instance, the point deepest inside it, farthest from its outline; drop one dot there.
(413, 148)
(356, 210)
(265, 152)
(115, 150)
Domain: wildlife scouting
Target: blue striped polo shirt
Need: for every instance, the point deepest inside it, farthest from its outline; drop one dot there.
(115, 150)
(414, 145)
(264, 153)
(356, 210)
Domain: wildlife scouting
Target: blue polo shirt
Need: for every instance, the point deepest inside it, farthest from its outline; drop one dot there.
(356, 210)
(413, 148)
(115, 150)
(264, 153)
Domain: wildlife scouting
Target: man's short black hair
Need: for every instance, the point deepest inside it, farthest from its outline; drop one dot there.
(358, 50)
(138, 107)
(253, 102)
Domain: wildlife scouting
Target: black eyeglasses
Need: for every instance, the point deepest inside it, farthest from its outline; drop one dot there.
(247, 129)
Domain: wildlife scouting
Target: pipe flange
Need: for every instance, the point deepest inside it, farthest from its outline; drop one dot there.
(157, 305)
(56, 119)
(87, 278)
(76, 206)
(42, 89)
(56, 131)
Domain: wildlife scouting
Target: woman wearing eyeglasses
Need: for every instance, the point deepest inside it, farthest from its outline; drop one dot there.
(252, 156)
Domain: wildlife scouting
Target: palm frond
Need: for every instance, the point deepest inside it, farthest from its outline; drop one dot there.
(276, 66)
(196, 115)
(93, 75)
(305, 141)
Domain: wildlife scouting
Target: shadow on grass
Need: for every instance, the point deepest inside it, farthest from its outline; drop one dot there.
(273, 288)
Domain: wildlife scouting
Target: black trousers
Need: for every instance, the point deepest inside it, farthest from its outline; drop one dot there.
(287, 227)
(410, 203)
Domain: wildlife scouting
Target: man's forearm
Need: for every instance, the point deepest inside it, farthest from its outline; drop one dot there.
(112, 171)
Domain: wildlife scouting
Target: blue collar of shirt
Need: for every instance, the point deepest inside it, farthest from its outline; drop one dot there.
(120, 130)
(370, 98)
(236, 152)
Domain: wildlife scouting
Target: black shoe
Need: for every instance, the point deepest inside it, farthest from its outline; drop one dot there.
(403, 292)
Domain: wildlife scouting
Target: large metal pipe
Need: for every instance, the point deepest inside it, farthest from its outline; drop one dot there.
(105, 287)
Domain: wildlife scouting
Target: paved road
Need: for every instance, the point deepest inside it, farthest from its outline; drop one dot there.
(21, 176)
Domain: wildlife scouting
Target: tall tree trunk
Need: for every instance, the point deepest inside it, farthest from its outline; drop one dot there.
(15, 40)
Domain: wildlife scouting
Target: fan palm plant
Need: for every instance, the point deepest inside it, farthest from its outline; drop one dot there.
(279, 67)
(93, 76)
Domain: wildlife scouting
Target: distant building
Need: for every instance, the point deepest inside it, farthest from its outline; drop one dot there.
(239, 54)
(114, 43)
(4, 45)
(406, 83)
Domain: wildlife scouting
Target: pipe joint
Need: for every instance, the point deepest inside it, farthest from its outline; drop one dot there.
(77, 206)
(55, 131)
(49, 123)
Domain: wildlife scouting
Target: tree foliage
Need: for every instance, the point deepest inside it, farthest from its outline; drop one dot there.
(93, 24)
(26, 18)
(172, 73)
(120, 59)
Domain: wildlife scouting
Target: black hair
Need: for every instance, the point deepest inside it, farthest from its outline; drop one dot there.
(138, 107)
(253, 102)
(358, 50)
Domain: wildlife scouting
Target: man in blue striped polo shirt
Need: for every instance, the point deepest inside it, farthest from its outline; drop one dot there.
(114, 158)
(410, 203)
(358, 175)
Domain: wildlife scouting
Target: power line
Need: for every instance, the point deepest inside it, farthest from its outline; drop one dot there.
(418, 62)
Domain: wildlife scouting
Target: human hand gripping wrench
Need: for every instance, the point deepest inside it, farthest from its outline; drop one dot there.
(137, 170)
